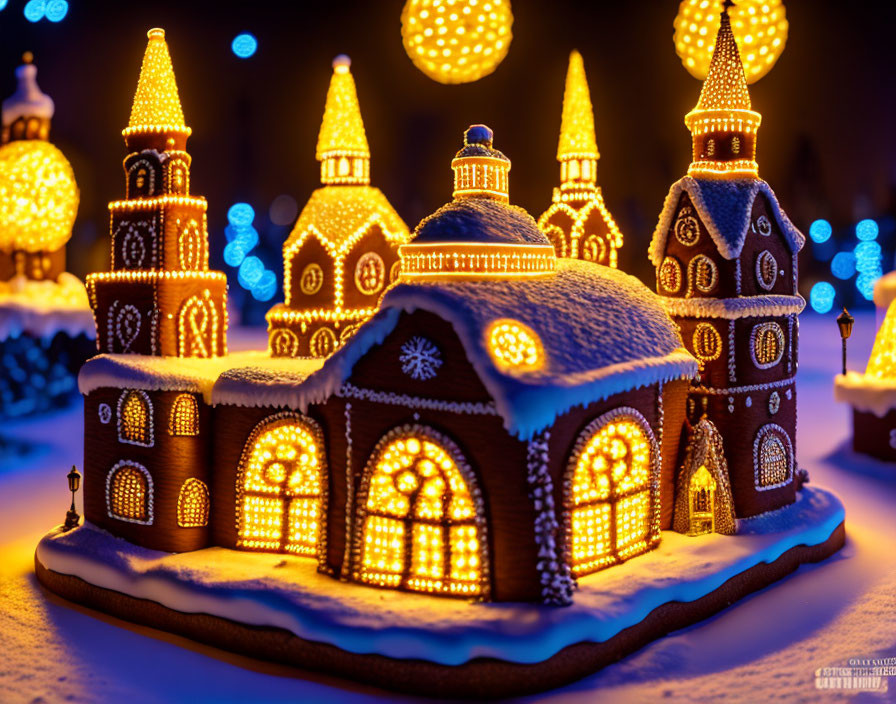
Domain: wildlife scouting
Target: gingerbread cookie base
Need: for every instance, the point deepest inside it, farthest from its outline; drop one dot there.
(418, 643)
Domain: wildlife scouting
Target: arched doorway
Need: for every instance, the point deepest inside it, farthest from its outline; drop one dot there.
(421, 524)
(612, 494)
(281, 487)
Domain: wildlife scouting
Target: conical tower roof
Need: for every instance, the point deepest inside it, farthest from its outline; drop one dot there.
(342, 130)
(156, 105)
(577, 125)
(725, 87)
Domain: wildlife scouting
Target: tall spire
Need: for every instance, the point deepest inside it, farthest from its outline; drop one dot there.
(723, 123)
(156, 105)
(342, 143)
(577, 125)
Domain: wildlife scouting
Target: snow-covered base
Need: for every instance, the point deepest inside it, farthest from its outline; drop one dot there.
(866, 393)
(287, 592)
(45, 308)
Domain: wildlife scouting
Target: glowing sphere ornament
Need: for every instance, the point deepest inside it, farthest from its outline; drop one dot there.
(456, 41)
(760, 28)
(38, 197)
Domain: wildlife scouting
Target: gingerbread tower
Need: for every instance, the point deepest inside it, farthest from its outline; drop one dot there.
(160, 297)
(577, 222)
(343, 251)
(726, 260)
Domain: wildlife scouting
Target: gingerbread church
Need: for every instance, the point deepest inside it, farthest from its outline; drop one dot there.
(497, 424)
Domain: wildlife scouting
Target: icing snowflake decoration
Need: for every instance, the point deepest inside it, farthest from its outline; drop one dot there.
(420, 358)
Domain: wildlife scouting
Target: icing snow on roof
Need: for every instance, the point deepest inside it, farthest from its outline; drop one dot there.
(151, 373)
(603, 333)
(479, 220)
(335, 214)
(724, 207)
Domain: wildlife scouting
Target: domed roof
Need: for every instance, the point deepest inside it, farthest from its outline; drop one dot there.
(28, 100)
(479, 220)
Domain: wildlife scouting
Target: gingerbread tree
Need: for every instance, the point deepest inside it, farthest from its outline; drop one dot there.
(577, 222)
(726, 260)
(343, 250)
(160, 297)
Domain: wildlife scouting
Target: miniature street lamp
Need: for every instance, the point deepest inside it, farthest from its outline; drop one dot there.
(74, 482)
(845, 322)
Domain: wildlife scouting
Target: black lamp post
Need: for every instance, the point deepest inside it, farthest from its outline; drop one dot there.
(74, 482)
(845, 322)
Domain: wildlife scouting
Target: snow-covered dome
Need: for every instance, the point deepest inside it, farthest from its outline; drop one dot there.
(478, 235)
(28, 100)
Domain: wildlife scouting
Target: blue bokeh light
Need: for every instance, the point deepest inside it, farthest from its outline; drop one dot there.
(35, 9)
(244, 45)
(3, 4)
(247, 236)
(865, 285)
(250, 272)
(56, 10)
(234, 253)
(265, 287)
(867, 230)
(843, 265)
(820, 231)
(821, 297)
(240, 215)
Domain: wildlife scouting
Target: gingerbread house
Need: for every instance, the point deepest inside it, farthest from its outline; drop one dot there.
(343, 251)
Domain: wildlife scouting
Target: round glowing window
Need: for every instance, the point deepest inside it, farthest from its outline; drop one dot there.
(513, 346)
(312, 279)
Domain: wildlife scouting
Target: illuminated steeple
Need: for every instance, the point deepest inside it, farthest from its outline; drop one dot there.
(342, 144)
(156, 108)
(723, 124)
(577, 149)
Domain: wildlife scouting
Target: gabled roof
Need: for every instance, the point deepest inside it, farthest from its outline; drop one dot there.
(724, 207)
(338, 214)
(603, 333)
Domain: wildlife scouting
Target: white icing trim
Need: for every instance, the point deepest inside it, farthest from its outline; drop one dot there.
(149, 492)
(732, 354)
(723, 391)
(734, 308)
(150, 420)
(393, 399)
(556, 580)
(349, 495)
(788, 446)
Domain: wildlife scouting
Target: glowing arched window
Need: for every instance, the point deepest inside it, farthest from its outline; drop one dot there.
(514, 346)
(197, 327)
(281, 486)
(135, 418)
(193, 504)
(184, 416)
(421, 519)
(766, 345)
(594, 249)
(772, 457)
(129, 493)
(613, 498)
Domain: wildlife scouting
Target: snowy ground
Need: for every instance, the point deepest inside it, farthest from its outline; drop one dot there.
(766, 648)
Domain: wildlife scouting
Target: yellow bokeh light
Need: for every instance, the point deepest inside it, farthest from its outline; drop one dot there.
(38, 197)
(513, 346)
(456, 41)
(760, 28)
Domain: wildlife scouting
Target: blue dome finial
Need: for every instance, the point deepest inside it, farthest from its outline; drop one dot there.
(479, 134)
